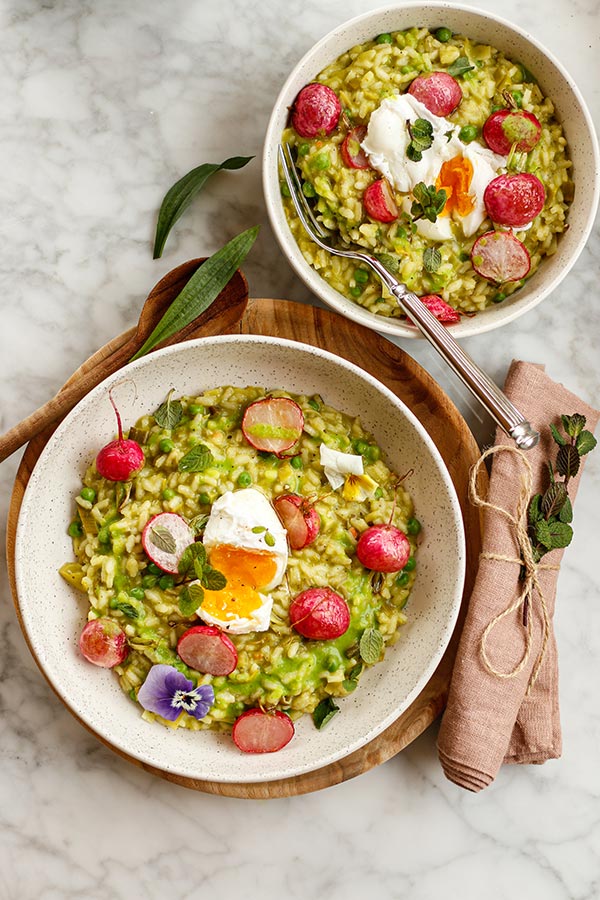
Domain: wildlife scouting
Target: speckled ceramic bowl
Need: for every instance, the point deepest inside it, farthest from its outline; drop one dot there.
(515, 44)
(53, 614)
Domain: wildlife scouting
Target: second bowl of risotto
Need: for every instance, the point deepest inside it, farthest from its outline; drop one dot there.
(450, 145)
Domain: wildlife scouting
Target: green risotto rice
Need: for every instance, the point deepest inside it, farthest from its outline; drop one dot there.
(277, 668)
(362, 78)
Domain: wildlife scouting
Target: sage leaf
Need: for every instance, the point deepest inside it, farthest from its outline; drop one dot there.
(169, 414)
(324, 713)
(186, 562)
(567, 461)
(213, 580)
(585, 442)
(190, 598)
(202, 289)
(198, 459)
(178, 198)
(432, 259)
(460, 66)
(371, 645)
(560, 440)
(162, 538)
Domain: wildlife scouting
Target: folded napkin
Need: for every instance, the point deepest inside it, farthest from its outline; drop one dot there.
(503, 699)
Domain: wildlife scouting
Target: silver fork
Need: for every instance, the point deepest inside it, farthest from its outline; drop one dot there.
(497, 404)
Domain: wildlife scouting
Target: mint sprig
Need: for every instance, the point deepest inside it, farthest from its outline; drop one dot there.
(428, 203)
(421, 138)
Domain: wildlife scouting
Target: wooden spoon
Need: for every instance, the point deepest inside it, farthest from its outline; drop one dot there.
(222, 315)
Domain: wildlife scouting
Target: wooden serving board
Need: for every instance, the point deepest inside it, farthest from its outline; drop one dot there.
(449, 431)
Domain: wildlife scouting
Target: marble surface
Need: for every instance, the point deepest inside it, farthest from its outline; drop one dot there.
(103, 106)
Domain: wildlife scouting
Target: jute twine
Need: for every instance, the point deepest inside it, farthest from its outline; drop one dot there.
(531, 568)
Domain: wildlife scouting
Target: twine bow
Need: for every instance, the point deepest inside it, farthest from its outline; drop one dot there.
(531, 568)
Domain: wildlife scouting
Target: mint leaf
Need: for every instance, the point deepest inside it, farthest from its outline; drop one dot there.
(127, 608)
(178, 198)
(190, 598)
(566, 512)
(199, 569)
(421, 138)
(162, 538)
(213, 580)
(554, 499)
(542, 533)
(560, 440)
(585, 442)
(324, 713)
(195, 551)
(432, 259)
(198, 523)
(535, 511)
(574, 424)
(561, 534)
(567, 461)
(460, 66)
(429, 202)
(169, 414)
(391, 263)
(371, 645)
(198, 459)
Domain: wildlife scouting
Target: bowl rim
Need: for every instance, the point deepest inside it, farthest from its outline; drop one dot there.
(479, 324)
(118, 742)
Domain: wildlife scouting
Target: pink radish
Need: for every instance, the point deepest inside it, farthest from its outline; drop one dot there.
(508, 127)
(164, 539)
(103, 643)
(438, 91)
(257, 731)
(499, 256)
(441, 310)
(316, 111)
(514, 200)
(120, 459)
(206, 649)
(352, 153)
(379, 202)
(273, 425)
(383, 548)
(300, 519)
(320, 614)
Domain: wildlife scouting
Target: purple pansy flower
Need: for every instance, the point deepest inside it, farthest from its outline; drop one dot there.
(167, 692)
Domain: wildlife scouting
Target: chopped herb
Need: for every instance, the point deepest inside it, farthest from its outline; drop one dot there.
(460, 66)
(269, 539)
(198, 524)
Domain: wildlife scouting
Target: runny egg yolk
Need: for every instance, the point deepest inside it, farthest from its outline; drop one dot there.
(455, 178)
(246, 572)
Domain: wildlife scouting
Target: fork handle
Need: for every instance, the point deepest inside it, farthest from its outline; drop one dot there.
(497, 404)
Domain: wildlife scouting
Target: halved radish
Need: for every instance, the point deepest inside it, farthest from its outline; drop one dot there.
(514, 200)
(316, 110)
(352, 153)
(319, 614)
(256, 731)
(379, 202)
(438, 91)
(499, 256)
(103, 643)
(164, 539)
(206, 649)
(300, 519)
(273, 425)
(441, 310)
(508, 127)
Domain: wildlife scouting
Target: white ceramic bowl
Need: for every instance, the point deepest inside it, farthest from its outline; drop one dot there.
(53, 614)
(516, 44)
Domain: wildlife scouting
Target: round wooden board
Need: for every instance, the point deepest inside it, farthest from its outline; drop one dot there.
(392, 366)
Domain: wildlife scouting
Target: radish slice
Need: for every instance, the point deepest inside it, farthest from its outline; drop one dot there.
(499, 256)
(316, 111)
(514, 200)
(379, 202)
(352, 153)
(103, 643)
(300, 519)
(164, 539)
(438, 91)
(441, 310)
(273, 425)
(506, 127)
(206, 649)
(256, 731)
(320, 614)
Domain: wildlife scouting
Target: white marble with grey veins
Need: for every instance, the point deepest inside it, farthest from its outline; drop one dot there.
(103, 105)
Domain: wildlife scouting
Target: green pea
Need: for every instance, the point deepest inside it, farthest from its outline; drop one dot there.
(443, 35)
(314, 405)
(166, 445)
(154, 570)
(296, 462)
(468, 133)
(413, 526)
(496, 107)
(401, 233)
(384, 39)
(498, 298)
(75, 529)
(113, 602)
(360, 446)
(406, 69)
(204, 498)
(88, 494)
(166, 582)
(410, 564)
(267, 456)
(378, 494)
(373, 453)
(168, 494)
(244, 479)
(321, 161)
(402, 579)
(308, 190)
(104, 536)
(518, 98)
(137, 593)
(361, 276)
(303, 149)
(356, 291)
(464, 257)
(195, 408)
(149, 581)
(285, 191)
